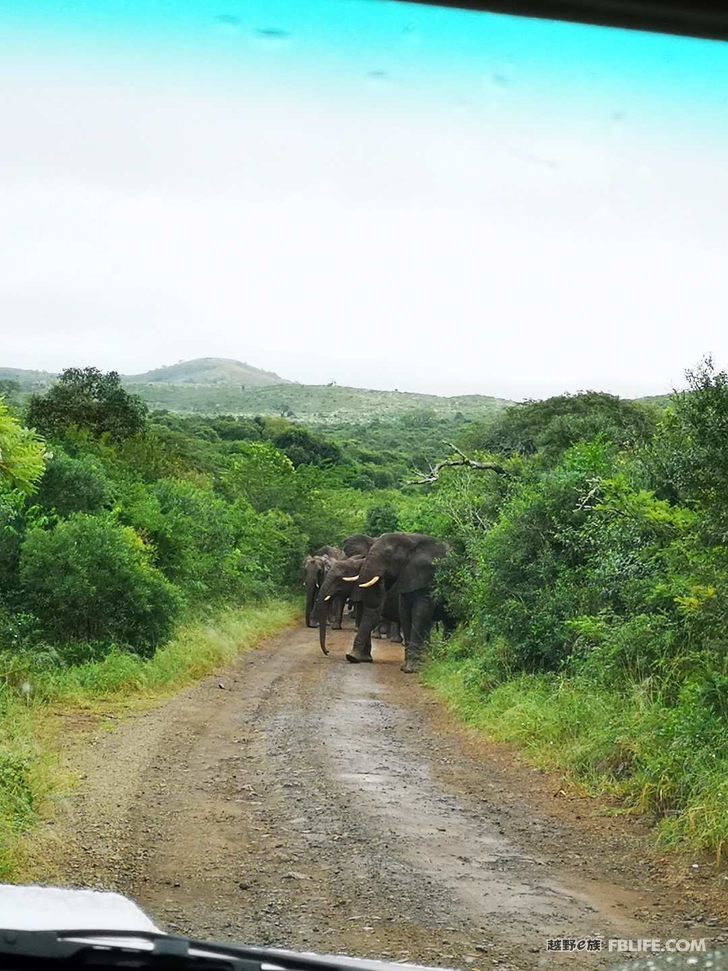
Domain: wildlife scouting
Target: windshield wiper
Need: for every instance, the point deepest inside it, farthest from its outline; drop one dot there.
(152, 950)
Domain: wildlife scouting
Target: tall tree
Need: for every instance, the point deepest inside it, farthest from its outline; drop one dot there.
(89, 399)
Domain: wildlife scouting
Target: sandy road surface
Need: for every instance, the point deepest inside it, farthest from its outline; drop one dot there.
(314, 804)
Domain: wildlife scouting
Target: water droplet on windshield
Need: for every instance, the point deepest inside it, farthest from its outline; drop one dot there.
(378, 76)
(227, 23)
(273, 34)
(410, 34)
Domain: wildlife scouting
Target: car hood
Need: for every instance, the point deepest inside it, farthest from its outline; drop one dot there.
(34, 908)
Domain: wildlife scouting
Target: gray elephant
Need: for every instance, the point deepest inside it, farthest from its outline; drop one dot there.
(339, 584)
(314, 570)
(401, 565)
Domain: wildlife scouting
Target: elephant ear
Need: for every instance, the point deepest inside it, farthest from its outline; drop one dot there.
(419, 571)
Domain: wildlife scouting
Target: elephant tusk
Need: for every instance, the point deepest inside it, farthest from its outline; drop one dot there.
(369, 583)
(328, 597)
(351, 579)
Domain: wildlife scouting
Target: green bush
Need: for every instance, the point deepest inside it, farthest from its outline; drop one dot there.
(74, 485)
(90, 579)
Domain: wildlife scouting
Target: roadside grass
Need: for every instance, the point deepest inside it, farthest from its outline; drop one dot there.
(35, 692)
(670, 763)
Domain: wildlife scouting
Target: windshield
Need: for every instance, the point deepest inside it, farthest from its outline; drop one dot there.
(362, 473)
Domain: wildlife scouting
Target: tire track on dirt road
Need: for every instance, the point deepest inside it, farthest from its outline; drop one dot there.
(317, 805)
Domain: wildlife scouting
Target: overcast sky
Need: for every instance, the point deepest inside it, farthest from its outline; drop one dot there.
(381, 195)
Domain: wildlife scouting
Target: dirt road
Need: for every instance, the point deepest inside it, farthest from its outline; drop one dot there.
(300, 801)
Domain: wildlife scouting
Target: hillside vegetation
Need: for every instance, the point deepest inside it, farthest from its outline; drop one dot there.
(213, 386)
(310, 403)
(588, 578)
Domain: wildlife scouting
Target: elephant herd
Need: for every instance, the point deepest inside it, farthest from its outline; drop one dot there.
(386, 581)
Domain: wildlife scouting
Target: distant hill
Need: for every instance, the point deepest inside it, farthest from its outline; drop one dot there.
(208, 371)
(28, 380)
(214, 385)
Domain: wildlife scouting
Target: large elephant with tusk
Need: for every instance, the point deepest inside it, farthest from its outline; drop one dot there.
(341, 582)
(401, 565)
(338, 585)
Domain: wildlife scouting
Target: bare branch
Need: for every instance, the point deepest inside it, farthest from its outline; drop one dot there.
(586, 502)
(426, 478)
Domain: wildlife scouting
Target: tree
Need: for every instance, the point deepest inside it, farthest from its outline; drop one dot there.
(304, 448)
(552, 426)
(262, 475)
(87, 398)
(691, 454)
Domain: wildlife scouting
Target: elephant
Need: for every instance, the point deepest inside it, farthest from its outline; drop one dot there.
(314, 570)
(356, 545)
(339, 584)
(317, 564)
(399, 565)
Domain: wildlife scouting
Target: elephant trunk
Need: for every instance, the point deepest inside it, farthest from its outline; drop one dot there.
(322, 612)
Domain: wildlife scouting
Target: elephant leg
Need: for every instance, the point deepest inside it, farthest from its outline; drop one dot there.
(421, 608)
(362, 648)
(337, 611)
(311, 591)
(358, 610)
(395, 634)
